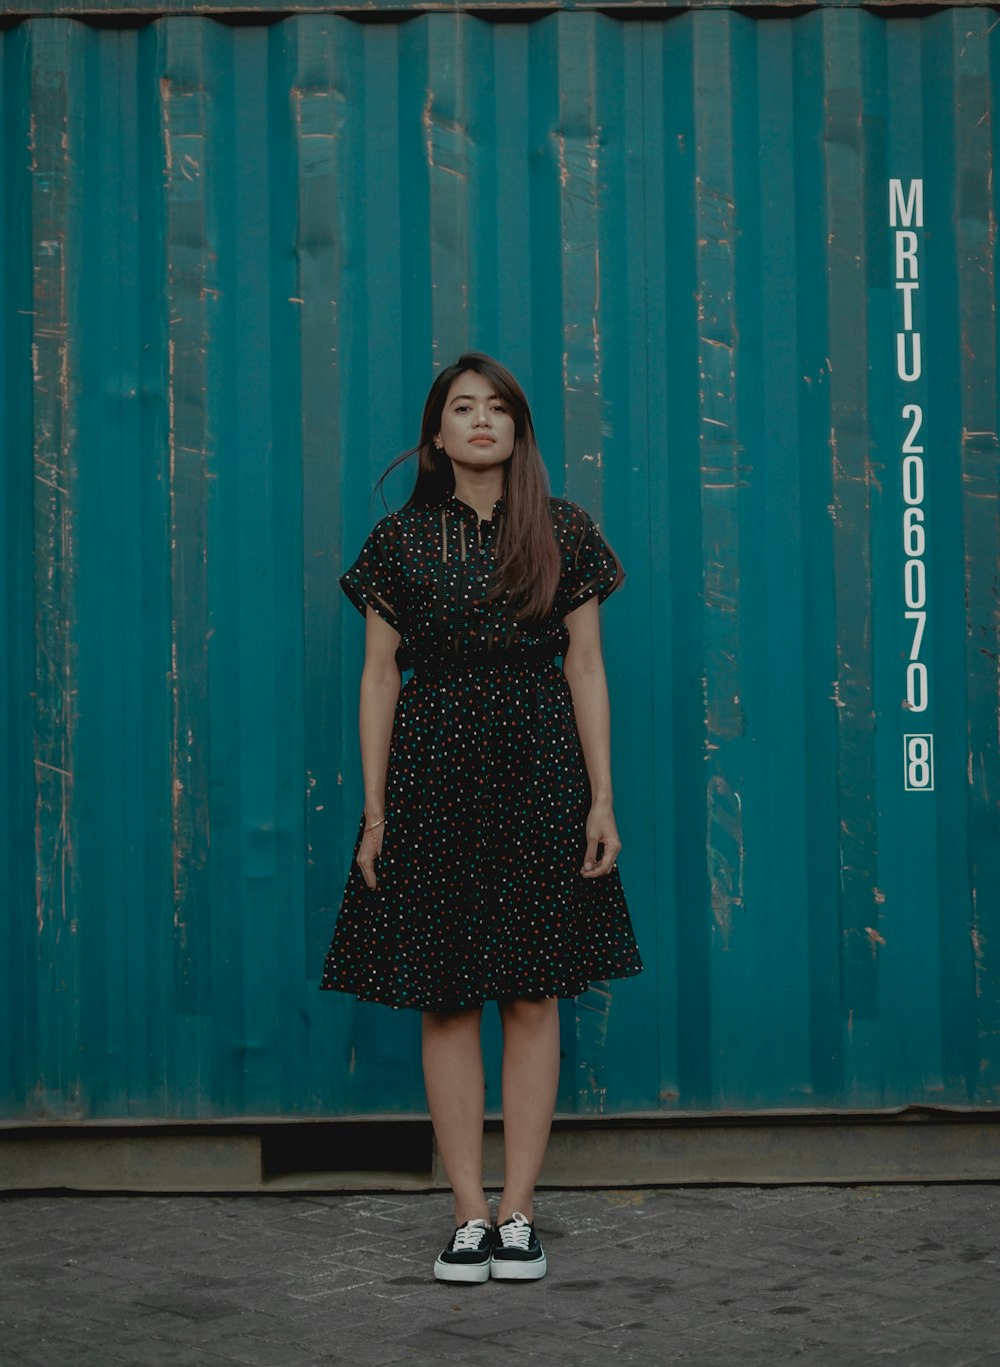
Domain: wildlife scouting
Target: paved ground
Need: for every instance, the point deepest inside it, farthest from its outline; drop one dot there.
(741, 1276)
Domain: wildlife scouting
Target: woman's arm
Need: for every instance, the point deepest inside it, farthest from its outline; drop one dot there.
(583, 665)
(380, 687)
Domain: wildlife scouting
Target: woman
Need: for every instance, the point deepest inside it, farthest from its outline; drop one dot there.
(484, 864)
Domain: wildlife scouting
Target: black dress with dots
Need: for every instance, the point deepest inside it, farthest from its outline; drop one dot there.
(479, 893)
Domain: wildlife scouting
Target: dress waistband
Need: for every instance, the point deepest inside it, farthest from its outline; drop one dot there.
(526, 656)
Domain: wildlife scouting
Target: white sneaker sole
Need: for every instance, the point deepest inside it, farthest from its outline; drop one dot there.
(503, 1271)
(461, 1272)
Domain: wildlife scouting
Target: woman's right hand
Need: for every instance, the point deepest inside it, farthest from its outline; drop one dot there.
(371, 848)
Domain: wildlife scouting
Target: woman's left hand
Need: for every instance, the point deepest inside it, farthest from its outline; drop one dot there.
(601, 830)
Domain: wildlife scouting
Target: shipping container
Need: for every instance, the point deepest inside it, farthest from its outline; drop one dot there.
(745, 266)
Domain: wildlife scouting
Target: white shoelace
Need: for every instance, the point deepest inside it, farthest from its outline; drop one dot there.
(517, 1234)
(469, 1235)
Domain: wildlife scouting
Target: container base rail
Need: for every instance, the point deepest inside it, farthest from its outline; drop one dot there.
(914, 1144)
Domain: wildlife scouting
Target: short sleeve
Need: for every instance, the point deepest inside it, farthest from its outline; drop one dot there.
(375, 580)
(594, 568)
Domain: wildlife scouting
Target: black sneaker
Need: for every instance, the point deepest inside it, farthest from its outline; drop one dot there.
(467, 1257)
(517, 1254)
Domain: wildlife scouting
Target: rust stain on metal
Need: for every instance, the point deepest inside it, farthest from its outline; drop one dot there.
(869, 477)
(711, 195)
(874, 939)
(165, 95)
(561, 160)
(435, 126)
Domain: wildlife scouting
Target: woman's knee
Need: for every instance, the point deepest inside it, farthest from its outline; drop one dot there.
(528, 1010)
(453, 1021)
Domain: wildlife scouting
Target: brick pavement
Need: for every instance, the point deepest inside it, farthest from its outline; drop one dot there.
(818, 1275)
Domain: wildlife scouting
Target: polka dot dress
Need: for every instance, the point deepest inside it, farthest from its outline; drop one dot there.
(479, 895)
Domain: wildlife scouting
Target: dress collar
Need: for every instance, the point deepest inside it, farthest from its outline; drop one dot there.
(452, 500)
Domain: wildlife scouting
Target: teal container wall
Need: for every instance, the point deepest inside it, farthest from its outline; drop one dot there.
(233, 258)
(118, 10)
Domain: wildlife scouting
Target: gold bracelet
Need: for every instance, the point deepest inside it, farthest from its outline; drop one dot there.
(379, 822)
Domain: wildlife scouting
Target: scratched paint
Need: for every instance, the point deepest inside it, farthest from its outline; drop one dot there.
(975, 220)
(592, 1018)
(53, 960)
(674, 232)
(724, 845)
(847, 166)
(579, 144)
(191, 296)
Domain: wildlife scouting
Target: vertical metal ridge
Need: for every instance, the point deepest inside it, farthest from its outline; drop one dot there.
(717, 230)
(55, 68)
(449, 153)
(579, 150)
(976, 212)
(320, 62)
(783, 672)
(25, 823)
(671, 499)
(718, 208)
(191, 250)
(848, 185)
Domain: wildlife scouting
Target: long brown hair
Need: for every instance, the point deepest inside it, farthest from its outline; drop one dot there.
(527, 556)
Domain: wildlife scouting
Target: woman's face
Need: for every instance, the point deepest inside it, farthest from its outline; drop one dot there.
(477, 428)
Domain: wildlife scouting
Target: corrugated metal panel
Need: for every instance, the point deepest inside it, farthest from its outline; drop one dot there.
(233, 257)
(240, 11)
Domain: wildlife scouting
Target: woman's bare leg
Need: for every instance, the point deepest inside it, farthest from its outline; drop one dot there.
(530, 1083)
(453, 1080)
